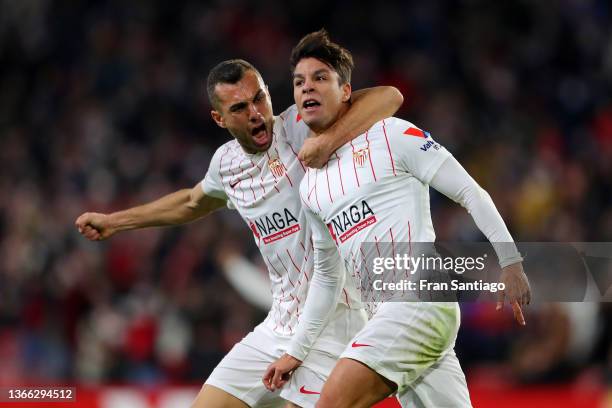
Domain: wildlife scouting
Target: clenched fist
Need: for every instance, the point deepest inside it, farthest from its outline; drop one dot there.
(315, 152)
(95, 226)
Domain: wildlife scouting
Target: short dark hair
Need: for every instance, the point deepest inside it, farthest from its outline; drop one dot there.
(318, 45)
(226, 72)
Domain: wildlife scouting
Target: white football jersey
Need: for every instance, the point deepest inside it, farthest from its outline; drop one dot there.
(375, 189)
(264, 189)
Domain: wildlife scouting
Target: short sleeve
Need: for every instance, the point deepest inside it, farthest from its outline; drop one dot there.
(415, 150)
(211, 184)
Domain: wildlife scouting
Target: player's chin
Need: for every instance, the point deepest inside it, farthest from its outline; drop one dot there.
(313, 122)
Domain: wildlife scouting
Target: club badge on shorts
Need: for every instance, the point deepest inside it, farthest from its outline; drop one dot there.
(277, 167)
(360, 156)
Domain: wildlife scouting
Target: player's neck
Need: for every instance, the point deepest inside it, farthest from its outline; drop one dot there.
(341, 112)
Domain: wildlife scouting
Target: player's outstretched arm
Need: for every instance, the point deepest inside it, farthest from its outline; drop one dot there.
(173, 209)
(452, 180)
(368, 106)
(246, 277)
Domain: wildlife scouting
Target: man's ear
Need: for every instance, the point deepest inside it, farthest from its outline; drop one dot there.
(346, 92)
(217, 118)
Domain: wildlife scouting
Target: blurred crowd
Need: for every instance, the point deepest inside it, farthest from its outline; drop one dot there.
(103, 106)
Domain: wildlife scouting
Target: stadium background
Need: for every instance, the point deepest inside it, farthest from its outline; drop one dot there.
(102, 106)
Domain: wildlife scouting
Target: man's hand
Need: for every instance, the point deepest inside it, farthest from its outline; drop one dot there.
(315, 152)
(278, 373)
(95, 226)
(517, 291)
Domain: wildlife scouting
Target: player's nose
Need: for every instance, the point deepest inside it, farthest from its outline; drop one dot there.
(254, 114)
(308, 86)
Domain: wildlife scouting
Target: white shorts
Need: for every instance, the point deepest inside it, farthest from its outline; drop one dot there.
(412, 344)
(241, 371)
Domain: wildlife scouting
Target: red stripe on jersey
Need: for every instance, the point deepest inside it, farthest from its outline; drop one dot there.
(288, 178)
(354, 168)
(393, 247)
(260, 176)
(288, 274)
(328, 188)
(365, 263)
(310, 190)
(298, 118)
(293, 262)
(234, 177)
(370, 156)
(240, 170)
(346, 297)
(272, 266)
(273, 175)
(304, 203)
(307, 184)
(230, 165)
(286, 170)
(409, 240)
(281, 262)
(221, 164)
(409, 245)
(389, 148)
(251, 187)
(354, 263)
(340, 173)
(315, 189)
(296, 156)
(356, 270)
(246, 169)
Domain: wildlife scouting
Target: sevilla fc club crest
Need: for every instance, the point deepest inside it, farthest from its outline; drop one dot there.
(360, 156)
(277, 167)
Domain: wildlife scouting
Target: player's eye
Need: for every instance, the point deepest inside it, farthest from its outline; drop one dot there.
(321, 78)
(298, 82)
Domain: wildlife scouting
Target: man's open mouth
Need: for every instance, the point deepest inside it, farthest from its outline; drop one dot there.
(260, 135)
(310, 105)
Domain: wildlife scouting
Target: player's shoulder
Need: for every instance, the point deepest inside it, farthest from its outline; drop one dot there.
(290, 126)
(231, 147)
(287, 119)
(390, 124)
(395, 124)
(290, 115)
(392, 127)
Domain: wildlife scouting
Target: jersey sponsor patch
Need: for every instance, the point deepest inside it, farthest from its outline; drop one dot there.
(429, 145)
(351, 221)
(278, 225)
